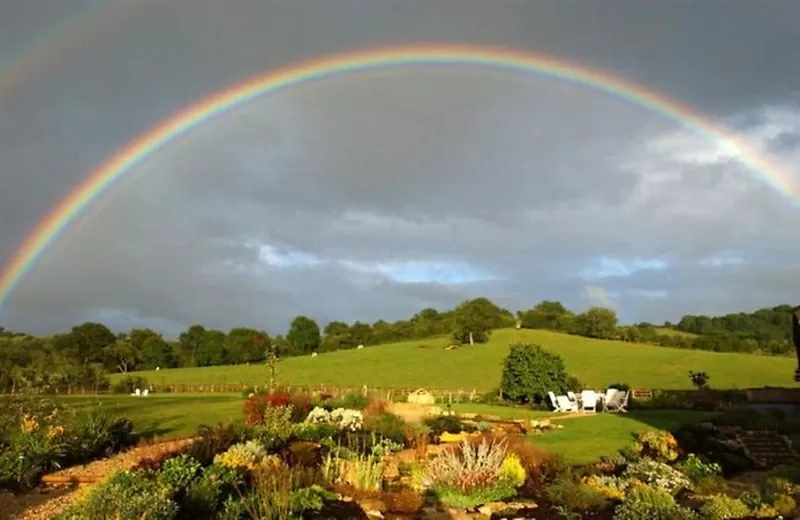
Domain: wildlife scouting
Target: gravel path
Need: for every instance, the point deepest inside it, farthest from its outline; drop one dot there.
(44, 503)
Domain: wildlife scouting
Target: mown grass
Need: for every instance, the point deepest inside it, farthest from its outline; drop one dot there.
(426, 363)
(586, 438)
(167, 415)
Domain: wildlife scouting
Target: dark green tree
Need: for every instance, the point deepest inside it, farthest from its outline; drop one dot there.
(304, 335)
(529, 372)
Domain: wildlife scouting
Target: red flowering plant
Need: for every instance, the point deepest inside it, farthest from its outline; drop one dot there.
(255, 406)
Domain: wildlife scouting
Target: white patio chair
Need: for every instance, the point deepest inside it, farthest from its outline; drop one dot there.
(137, 392)
(566, 405)
(572, 396)
(619, 403)
(589, 401)
(554, 402)
(609, 397)
(145, 392)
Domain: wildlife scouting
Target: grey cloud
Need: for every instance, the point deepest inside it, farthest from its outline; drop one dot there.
(520, 176)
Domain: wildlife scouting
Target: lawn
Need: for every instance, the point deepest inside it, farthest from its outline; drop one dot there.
(167, 415)
(426, 363)
(586, 439)
(583, 439)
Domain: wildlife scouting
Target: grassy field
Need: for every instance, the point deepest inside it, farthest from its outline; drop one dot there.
(583, 439)
(425, 363)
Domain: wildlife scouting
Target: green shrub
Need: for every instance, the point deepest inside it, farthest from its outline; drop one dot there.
(530, 372)
(566, 491)
(721, 507)
(96, 432)
(30, 456)
(645, 502)
(711, 485)
(127, 495)
(276, 427)
(388, 426)
(694, 468)
(179, 471)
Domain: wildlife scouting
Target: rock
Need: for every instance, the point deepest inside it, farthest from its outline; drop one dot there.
(374, 514)
(468, 416)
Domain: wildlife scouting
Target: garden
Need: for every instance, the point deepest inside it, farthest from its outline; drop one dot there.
(296, 455)
(300, 454)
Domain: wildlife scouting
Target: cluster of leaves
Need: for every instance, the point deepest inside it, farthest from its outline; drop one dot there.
(39, 441)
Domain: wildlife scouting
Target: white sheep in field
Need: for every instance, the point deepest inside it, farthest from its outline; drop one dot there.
(314, 354)
(360, 346)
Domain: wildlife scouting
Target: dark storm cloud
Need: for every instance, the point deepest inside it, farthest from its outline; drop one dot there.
(526, 181)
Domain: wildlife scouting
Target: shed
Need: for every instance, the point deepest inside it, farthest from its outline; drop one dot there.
(421, 396)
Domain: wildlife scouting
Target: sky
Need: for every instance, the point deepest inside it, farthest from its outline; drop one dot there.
(375, 194)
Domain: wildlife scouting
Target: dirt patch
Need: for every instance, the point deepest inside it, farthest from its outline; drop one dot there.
(39, 504)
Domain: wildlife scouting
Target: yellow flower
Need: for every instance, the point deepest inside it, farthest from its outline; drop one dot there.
(55, 431)
(29, 424)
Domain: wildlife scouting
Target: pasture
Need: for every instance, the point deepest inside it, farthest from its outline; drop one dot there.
(426, 363)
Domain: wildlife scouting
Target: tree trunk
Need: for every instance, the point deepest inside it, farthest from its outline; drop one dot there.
(471, 341)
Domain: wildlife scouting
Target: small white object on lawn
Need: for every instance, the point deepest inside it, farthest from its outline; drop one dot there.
(314, 354)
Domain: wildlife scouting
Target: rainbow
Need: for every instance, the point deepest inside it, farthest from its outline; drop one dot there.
(65, 212)
(45, 48)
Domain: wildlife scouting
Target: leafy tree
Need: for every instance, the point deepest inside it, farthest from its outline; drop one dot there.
(211, 350)
(304, 335)
(529, 372)
(137, 337)
(475, 319)
(122, 353)
(89, 341)
(190, 342)
(155, 352)
(597, 322)
(245, 345)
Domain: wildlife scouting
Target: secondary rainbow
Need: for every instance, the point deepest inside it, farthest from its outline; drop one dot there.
(60, 216)
(46, 49)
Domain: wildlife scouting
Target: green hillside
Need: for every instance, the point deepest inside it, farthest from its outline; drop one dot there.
(426, 363)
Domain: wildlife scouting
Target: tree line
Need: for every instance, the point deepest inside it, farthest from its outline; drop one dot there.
(84, 356)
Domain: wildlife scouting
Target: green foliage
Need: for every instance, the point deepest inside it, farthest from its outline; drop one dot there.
(304, 335)
(179, 471)
(651, 503)
(388, 426)
(94, 432)
(596, 322)
(694, 468)
(129, 383)
(573, 495)
(475, 319)
(529, 372)
(721, 507)
(127, 495)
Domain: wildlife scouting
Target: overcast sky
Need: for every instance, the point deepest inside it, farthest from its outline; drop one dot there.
(376, 194)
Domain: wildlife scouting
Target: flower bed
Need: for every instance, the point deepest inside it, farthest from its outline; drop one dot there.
(334, 461)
